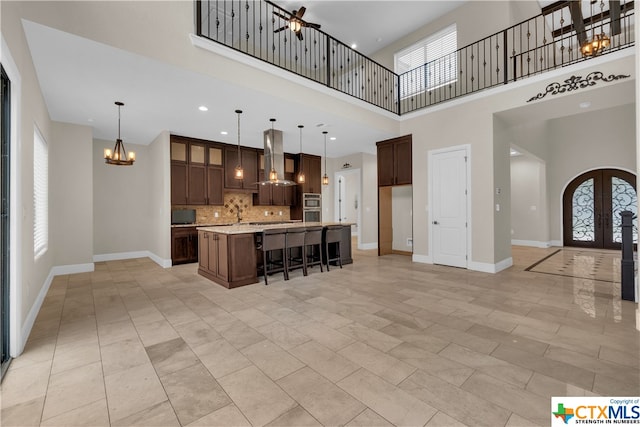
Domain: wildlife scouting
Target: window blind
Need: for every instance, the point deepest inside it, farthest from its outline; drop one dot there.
(40, 195)
(428, 64)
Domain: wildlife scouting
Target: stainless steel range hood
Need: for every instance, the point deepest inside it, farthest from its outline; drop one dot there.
(274, 157)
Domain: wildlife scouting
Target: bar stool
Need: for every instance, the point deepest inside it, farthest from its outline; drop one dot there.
(273, 240)
(332, 235)
(295, 239)
(313, 247)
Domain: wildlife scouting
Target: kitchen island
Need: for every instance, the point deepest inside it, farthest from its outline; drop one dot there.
(228, 254)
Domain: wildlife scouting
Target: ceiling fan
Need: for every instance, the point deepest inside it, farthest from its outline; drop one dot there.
(295, 22)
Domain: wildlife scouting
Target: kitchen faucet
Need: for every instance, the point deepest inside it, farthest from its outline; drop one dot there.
(238, 213)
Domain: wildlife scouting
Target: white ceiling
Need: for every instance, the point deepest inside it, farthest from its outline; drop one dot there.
(371, 25)
(81, 79)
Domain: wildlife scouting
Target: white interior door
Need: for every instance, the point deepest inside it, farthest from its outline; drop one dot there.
(449, 207)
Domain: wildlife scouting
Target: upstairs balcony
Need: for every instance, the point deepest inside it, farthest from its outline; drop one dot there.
(563, 34)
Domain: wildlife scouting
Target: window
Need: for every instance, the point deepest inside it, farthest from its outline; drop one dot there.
(40, 195)
(428, 64)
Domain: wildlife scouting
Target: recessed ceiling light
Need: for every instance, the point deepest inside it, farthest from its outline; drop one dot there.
(224, 132)
(379, 39)
(585, 104)
(354, 46)
(333, 138)
(203, 108)
(89, 119)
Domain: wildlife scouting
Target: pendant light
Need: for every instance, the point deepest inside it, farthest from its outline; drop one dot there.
(301, 177)
(325, 177)
(119, 155)
(273, 175)
(239, 172)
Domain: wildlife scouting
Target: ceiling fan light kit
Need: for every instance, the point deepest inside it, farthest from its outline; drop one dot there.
(295, 23)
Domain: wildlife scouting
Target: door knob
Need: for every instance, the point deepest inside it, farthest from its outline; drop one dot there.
(435, 222)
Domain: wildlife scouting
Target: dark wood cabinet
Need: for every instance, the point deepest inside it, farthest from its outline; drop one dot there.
(276, 195)
(249, 165)
(184, 245)
(197, 185)
(179, 179)
(215, 186)
(219, 260)
(197, 176)
(312, 168)
(395, 161)
(386, 168)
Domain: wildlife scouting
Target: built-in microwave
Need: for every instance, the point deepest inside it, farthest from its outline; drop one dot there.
(311, 201)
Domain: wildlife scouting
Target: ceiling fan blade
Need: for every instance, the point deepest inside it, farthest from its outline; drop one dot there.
(281, 28)
(300, 12)
(280, 15)
(312, 25)
(299, 35)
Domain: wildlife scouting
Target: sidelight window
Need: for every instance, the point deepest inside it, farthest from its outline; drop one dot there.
(40, 195)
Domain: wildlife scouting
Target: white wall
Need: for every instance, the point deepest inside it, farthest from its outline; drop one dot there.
(70, 194)
(401, 214)
(529, 214)
(121, 201)
(159, 215)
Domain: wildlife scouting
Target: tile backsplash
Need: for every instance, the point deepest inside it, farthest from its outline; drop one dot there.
(228, 212)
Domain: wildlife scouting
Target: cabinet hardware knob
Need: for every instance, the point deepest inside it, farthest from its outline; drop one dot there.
(435, 222)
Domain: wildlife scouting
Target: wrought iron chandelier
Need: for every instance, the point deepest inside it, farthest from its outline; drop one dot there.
(119, 156)
(598, 42)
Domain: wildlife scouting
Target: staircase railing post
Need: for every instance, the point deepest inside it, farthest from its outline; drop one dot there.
(505, 56)
(199, 17)
(329, 61)
(626, 263)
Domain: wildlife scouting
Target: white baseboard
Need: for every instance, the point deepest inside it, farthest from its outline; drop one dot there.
(164, 263)
(33, 313)
(424, 259)
(504, 264)
(532, 243)
(59, 270)
(556, 243)
(367, 246)
(490, 268)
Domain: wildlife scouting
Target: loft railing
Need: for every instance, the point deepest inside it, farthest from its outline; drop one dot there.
(545, 42)
(248, 26)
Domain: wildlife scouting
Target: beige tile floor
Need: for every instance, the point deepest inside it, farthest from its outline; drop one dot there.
(381, 342)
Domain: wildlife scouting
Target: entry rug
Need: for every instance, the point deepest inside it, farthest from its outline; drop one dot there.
(581, 264)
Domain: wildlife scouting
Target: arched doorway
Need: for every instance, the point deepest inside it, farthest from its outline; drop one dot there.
(592, 203)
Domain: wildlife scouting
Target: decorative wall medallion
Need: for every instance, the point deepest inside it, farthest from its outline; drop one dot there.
(577, 82)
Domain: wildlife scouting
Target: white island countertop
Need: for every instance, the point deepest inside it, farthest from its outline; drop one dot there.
(259, 228)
